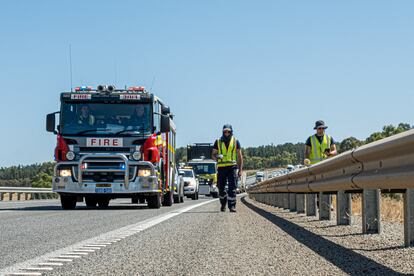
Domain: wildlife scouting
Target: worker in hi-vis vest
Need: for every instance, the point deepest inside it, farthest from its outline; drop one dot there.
(227, 153)
(319, 146)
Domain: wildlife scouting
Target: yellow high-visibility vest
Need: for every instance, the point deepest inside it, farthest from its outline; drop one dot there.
(229, 154)
(318, 149)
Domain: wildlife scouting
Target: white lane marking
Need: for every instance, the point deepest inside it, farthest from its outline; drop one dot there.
(25, 274)
(39, 268)
(111, 236)
(76, 253)
(69, 257)
(59, 260)
(84, 250)
(50, 264)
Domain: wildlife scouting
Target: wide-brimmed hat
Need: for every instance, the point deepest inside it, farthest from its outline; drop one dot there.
(319, 124)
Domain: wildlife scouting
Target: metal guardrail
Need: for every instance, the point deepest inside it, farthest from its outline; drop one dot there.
(27, 192)
(386, 165)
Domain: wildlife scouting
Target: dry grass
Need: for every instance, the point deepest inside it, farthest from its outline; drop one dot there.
(391, 209)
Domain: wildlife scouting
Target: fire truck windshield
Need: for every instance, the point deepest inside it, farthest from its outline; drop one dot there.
(124, 119)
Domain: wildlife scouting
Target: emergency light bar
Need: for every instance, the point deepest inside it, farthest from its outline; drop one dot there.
(83, 88)
(137, 88)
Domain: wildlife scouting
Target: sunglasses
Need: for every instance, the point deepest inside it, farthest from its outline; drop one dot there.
(320, 128)
(226, 131)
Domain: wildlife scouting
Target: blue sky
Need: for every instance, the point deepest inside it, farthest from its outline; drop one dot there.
(270, 68)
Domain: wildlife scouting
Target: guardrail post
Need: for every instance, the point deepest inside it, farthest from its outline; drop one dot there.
(292, 202)
(10, 196)
(325, 201)
(371, 213)
(343, 208)
(279, 200)
(285, 200)
(19, 196)
(409, 217)
(300, 203)
(26, 196)
(1, 196)
(274, 200)
(311, 209)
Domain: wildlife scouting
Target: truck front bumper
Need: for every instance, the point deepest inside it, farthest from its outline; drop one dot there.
(81, 181)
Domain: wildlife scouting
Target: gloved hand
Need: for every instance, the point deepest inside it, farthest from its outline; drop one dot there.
(220, 156)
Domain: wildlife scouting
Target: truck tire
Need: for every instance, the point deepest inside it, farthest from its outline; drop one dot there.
(90, 201)
(68, 202)
(168, 199)
(142, 200)
(103, 203)
(154, 202)
(134, 200)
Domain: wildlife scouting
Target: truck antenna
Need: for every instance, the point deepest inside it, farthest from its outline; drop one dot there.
(152, 83)
(70, 66)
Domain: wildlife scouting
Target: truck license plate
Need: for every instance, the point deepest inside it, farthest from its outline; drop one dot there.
(103, 190)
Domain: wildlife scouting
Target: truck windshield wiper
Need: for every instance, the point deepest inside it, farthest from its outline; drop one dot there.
(89, 130)
(127, 130)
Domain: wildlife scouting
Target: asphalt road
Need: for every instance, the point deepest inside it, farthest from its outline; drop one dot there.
(194, 238)
(32, 228)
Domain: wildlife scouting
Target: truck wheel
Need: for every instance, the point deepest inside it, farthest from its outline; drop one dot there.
(154, 202)
(141, 200)
(103, 203)
(134, 200)
(168, 199)
(90, 202)
(68, 202)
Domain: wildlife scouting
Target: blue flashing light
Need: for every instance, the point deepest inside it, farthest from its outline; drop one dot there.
(83, 88)
(122, 166)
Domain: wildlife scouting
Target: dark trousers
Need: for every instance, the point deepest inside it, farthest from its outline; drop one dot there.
(227, 176)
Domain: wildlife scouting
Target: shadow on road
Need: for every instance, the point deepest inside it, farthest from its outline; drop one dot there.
(78, 208)
(345, 259)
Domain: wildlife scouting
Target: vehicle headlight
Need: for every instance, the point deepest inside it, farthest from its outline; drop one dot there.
(70, 155)
(65, 172)
(136, 155)
(144, 172)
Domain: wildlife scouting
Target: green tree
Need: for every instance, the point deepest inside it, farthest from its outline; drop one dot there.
(42, 180)
(350, 143)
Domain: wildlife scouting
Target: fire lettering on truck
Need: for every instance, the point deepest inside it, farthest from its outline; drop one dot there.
(129, 97)
(81, 96)
(104, 142)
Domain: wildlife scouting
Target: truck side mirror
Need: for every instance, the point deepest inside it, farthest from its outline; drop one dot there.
(165, 110)
(51, 122)
(165, 124)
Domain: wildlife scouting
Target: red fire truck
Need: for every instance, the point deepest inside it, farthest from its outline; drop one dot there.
(113, 143)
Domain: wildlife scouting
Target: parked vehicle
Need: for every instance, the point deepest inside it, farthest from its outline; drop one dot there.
(191, 184)
(199, 156)
(113, 143)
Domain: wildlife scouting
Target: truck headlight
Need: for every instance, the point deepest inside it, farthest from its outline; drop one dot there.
(136, 155)
(65, 172)
(144, 172)
(70, 155)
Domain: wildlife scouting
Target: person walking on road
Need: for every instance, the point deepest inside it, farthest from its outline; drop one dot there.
(320, 145)
(227, 153)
